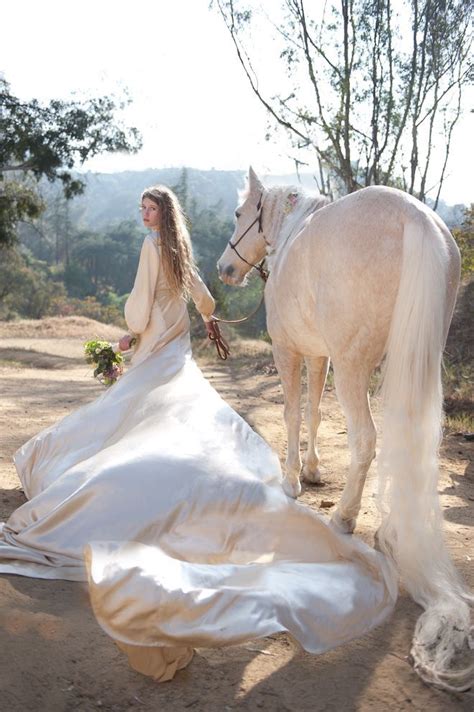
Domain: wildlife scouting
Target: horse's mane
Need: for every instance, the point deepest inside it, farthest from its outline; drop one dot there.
(291, 206)
(306, 203)
(276, 198)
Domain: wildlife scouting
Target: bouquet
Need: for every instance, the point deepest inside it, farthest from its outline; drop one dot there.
(108, 363)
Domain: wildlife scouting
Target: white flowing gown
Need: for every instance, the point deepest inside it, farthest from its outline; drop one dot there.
(171, 506)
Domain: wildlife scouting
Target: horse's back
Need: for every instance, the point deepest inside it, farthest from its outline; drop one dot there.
(369, 222)
(338, 277)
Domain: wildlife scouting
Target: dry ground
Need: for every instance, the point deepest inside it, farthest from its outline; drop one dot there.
(53, 655)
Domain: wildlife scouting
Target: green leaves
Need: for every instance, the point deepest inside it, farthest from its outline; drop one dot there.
(28, 286)
(41, 139)
(464, 237)
(48, 141)
(18, 201)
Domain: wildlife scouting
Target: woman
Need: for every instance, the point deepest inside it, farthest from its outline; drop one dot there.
(172, 506)
(156, 311)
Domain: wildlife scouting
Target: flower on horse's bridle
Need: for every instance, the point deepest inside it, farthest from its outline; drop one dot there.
(290, 203)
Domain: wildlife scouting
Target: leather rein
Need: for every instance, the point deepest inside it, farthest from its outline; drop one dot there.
(215, 335)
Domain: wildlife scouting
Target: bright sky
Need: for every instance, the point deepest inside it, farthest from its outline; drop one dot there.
(191, 100)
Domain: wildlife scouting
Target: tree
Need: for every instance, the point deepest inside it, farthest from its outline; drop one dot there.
(47, 141)
(104, 261)
(464, 236)
(371, 93)
(27, 286)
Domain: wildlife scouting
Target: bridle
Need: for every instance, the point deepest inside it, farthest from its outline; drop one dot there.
(260, 268)
(215, 335)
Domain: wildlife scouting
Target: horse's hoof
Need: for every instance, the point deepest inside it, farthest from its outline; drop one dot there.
(313, 476)
(345, 526)
(291, 488)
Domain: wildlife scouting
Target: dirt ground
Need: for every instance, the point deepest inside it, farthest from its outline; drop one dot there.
(53, 655)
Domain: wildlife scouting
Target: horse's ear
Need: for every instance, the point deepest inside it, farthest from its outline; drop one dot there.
(255, 184)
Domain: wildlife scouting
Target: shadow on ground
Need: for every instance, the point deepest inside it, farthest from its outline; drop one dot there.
(35, 359)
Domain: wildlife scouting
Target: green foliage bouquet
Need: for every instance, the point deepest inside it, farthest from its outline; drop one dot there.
(108, 363)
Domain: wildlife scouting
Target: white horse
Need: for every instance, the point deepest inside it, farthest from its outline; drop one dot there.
(373, 275)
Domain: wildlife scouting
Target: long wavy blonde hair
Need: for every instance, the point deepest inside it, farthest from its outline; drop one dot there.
(176, 250)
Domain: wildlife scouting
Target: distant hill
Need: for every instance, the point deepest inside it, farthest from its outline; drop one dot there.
(112, 197)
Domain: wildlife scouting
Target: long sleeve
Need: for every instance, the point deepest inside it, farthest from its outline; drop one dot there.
(202, 297)
(139, 304)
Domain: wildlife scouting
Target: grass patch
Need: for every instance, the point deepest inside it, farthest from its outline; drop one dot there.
(458, 385)
(10, 363)
(458, 366)
(461, 422)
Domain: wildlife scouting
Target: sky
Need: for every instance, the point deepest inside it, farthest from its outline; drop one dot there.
(191, 99)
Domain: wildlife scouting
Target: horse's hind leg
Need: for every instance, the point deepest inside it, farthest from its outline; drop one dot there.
(317, 370)
(289, 364)
(352, 393)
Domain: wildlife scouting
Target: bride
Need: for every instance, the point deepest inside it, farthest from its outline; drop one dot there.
(171, 507)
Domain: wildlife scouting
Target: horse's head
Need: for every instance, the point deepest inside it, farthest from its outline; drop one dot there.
(247, 246)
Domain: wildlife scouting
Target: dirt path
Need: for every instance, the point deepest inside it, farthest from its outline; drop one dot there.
(53, 655)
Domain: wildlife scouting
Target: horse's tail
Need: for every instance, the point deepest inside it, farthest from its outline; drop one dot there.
(411, 530)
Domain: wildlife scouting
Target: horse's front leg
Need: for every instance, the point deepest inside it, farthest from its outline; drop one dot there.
(317, 370)
(288, 364)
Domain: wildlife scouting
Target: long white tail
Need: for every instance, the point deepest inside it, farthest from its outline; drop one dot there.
(412, 522)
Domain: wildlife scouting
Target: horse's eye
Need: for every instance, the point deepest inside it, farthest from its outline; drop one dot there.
(237, 214)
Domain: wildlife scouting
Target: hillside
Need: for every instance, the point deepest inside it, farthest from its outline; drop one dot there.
(113, 197)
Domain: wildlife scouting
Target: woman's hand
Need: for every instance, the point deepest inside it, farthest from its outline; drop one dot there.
(125, 342)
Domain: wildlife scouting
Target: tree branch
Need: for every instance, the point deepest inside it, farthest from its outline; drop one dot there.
(27, 165)
(233, 33)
